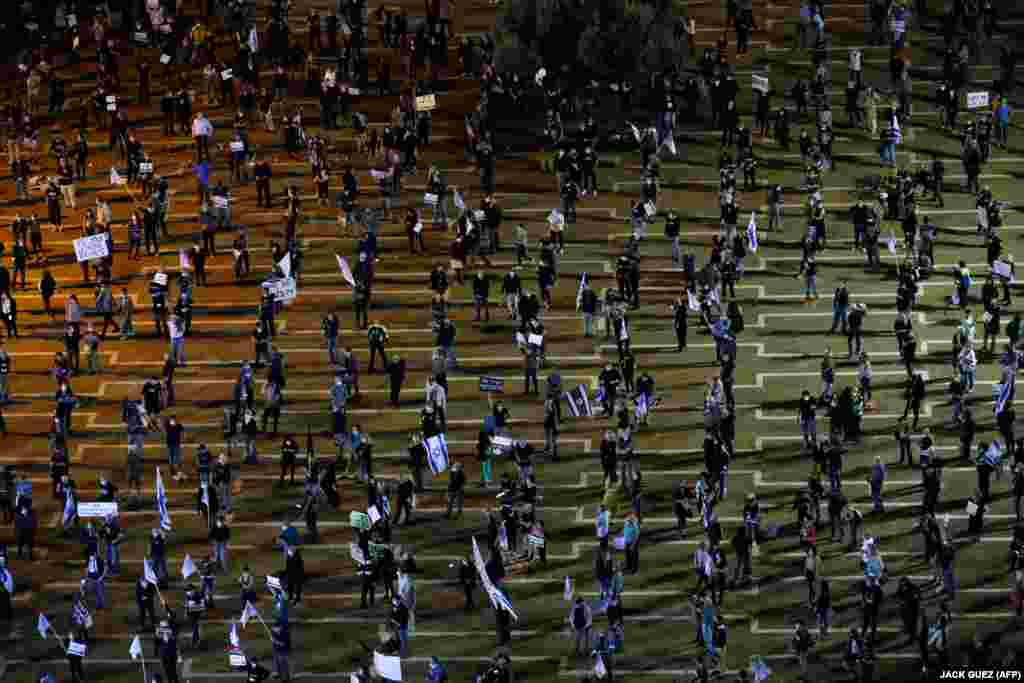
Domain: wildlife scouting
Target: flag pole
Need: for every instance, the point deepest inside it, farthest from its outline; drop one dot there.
(142, 658)
(260, 617)
(57, 635)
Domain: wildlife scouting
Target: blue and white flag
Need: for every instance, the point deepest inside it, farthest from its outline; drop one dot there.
(584, 281)
(188, 567)
(148, 573)
(579, 402)
(7, 579)
(161, 502)
(759, 668)
(233, 637)
(248, 613)
(437, 454)
(752, 233)
(70, 506)
(135, 650)
(896, 132)
(43, 625)
(499, 599)
(1005, 395)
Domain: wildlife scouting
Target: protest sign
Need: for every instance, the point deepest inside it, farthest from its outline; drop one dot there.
(977, 100)
(759, 83)
(492, 385)
(96, 509)
(426, 103)
(91, 248)
(430, 199)
(389, 667)
(283, 290)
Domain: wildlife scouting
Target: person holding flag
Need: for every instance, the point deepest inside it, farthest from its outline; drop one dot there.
(135, 651)
(161, 502)
(76, 655)
(96, 574)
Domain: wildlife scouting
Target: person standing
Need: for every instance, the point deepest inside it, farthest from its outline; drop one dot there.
(377, 337)
(877, 481)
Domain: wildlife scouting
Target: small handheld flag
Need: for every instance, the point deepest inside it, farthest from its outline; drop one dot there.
(346, 271)
(188, 567)
(136, 649)
(43, 626)
(752, 233)
(233, 637)
(161, 502)
(567, 593)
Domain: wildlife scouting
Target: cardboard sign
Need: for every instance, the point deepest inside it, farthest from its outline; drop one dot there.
(91, 248)
(273, 583)
(426, 103)
(237, 146)
(492, 385)
(359, 520)
(96, 509)
(759, 83)
(283, 290)
(977, 100)
(226, 75)
(430, 199)
(165, 59)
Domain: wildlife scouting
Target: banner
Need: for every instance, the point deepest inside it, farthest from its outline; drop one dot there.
(437, 453)
(346, 272)
(492, 385)
(426, 103)
(283, 290)
(977, 100)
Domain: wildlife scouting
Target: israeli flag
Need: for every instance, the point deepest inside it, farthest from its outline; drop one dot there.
(188, 567)
(437, 454)
(43, 626)
(499, 599)
(135, 650)
(692, 302)
(69, 507)
(1005, 394)
(584, 281)
(161, 502)
(752, 233)
(233, 637)
(759, 668)
(897, 133)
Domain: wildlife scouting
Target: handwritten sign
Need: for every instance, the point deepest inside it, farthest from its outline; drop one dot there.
(91, 248)
(977, 100)
(283, 290)
(426, 103)
(96, 509)
(492, 385)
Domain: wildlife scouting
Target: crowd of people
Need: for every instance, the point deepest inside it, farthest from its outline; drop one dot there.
(333, 59)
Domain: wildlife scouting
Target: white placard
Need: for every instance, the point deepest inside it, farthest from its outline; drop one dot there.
(220, 201)
(76, 649)
(146, 167)
(426, 103)
(160, 279)
(32, 26)
(283, 290)
(165, 59)
(237, 146)
(237, 661)
(535, 339)
(759, 83)
(96, 509)
(273, 582)
(389, 668)
(430, 199)
(356, 553)
(91, 247)
(226, 75)
(972, 508)
(976, 100)
(374, 514)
